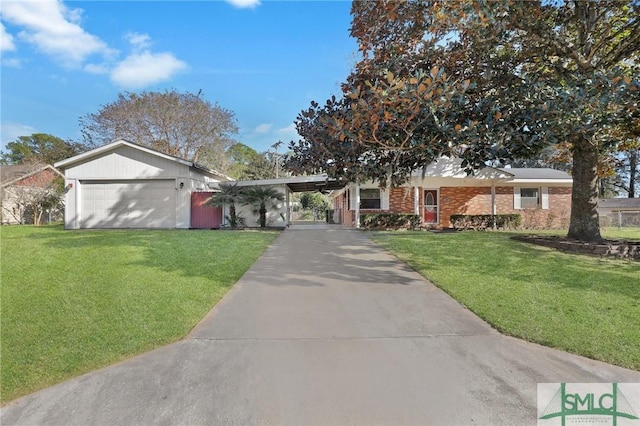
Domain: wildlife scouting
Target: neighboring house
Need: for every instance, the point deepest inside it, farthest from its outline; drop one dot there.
(21, 186)
(125, 185)
(619, 212)
(443, 189)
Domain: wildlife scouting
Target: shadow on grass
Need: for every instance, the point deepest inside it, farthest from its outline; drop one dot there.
(491, 256)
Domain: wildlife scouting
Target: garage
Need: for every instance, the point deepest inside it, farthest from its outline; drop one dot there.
(128, 204)
(126, 185)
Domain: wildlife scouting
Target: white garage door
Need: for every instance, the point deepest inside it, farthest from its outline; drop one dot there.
(128, 204)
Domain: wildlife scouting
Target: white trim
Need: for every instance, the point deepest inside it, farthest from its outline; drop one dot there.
(516, 199)
(384, 198)
(544, 198)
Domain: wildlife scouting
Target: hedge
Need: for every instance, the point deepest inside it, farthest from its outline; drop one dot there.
(389, 221)
(485, 221)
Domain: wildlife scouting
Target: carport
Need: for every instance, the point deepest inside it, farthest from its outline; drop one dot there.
(291, 184)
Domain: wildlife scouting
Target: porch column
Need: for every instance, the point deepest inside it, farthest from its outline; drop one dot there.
(287, 200)
(494, 209)
(493, 203)
(357, 206)
(416, 200)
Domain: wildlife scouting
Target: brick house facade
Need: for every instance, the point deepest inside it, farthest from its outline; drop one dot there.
(19, 185)
(541, 196)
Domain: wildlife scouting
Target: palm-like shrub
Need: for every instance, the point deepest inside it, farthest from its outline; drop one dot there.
(262, 198)
(229, 194)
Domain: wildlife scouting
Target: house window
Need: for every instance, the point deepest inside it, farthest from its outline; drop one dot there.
(529, 198)
(369, 198)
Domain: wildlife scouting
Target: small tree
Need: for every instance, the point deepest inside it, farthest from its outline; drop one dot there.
(29, 203)
(262, 198)
(229, 194)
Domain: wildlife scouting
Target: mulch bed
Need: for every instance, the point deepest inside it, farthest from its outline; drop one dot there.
(608, 248)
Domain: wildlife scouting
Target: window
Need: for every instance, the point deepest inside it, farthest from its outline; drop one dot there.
(529, 198)
(370, 198)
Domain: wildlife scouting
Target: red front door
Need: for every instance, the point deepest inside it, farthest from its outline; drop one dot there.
(431, 206)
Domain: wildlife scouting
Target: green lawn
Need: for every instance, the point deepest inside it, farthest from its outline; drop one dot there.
(74, 301)
(585, 305)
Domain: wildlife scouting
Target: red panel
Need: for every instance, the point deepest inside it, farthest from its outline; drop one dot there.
(204, 216)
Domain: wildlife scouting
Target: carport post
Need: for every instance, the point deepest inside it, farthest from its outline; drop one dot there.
(357, 206)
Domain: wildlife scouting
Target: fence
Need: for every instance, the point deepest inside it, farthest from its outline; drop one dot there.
(620, 219)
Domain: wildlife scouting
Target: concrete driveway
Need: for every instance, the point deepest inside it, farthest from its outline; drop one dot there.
(325, 329)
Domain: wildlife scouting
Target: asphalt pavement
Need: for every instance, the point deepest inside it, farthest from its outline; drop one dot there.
(326, 328)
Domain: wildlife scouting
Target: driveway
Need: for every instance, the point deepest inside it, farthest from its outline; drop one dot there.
(326, 328)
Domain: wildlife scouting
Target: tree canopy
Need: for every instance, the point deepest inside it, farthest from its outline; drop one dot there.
(40, 148)
(485, 81)
(181, 124)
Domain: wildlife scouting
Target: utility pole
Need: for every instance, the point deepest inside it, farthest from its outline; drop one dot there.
(277, 157)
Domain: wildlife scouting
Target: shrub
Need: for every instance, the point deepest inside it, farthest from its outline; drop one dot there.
(485, 221)
(389, 221)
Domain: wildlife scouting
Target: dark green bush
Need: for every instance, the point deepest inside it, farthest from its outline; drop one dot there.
(389, 221)
(485, 221)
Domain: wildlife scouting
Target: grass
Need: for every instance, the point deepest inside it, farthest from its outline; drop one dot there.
(74, 301)
(585, 305)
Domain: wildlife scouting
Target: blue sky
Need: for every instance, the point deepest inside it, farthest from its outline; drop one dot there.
(265, 61)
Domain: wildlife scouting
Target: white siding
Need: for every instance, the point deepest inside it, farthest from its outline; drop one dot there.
(128, 163)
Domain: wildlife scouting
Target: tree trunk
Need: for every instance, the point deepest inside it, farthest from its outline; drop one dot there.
(584, 224)
(263, 216)
(233, 221)
(633, 173)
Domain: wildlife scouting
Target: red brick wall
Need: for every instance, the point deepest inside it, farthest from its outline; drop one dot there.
(476, 200)
(40, 179)
(471, 200)
(401, 200)
(463, 200)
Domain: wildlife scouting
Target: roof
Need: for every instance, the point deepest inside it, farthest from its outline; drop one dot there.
(300, 183)
(536, 173)
(86, 156)
(10, 174)
(620, 203)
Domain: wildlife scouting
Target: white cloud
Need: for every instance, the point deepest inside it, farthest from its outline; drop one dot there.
(248, 4)
(142, 69)
(96, 68)
(54, 29)
(263, 128)
(11, 62)
(10, 132)
(288, 133)
(6, 40)
(138, 41)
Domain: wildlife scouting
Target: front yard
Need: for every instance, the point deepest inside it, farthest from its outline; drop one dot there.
(584, 305)
(74, 301)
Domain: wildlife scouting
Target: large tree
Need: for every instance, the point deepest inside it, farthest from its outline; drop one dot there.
(487, 81)
(181, 124)
(245, 163)
(40, 148)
